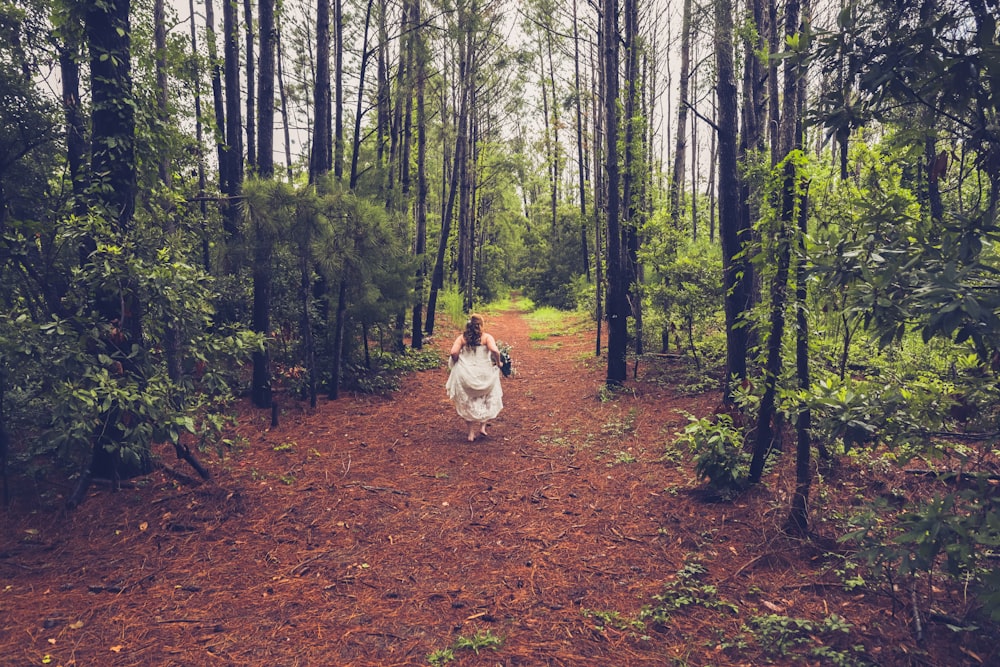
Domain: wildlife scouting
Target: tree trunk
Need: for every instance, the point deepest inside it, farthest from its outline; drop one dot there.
(338, 340)
(320, 158)
(358, 114)
(580, 148)
(265, 106)
(556, 168)
(262, 273)
(420, 206)
(283, 98)
(76, 127)
(798, 516)
(461, 139)
(396, 124)
(630, 186)
(600, 186)
(251, 94)
(617, 290)
(789, 142)
(680, 145)
(218, 104)
(206, 256)
(113, 168)
(730, 231)
(383, 99)
(338, 114)
(234, 129)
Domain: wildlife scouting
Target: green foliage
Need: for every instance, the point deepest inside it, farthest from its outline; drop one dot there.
(450, 303)
(441, 656)
(717, 448)
(93, 390)
(482, 639)
(387, 370)
(553, 261)
(613, 619)
(801, 639)
(685, 590)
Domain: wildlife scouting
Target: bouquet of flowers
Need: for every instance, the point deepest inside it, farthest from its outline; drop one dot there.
(506, 363)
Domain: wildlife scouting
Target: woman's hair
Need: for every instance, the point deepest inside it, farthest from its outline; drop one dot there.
(474, 329)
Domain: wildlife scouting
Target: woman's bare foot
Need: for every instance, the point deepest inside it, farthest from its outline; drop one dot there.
(472, 432)
(483, 429)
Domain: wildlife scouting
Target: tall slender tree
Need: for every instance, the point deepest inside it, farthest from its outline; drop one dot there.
(680, 145)
(790, 140)
(250, 63)
(263, 241)
(732, 235)
(617, 288)
(233, 157)
(581, 150)
(112, 186)
(320, 161)
(420, 205)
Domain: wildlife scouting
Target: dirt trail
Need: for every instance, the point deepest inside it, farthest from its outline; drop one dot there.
(369, 532)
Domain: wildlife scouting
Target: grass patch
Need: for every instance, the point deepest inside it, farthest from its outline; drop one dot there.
(547, 322)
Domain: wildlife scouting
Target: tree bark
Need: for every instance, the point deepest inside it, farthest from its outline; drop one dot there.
(262, 273)
(234, 129)
(283, 98)
(420, 206)
(631, 197)
(320, 158)
(251, 94)
(113, 185)
(218, 102)
(358, 114)
(617, 290)
(461, 139)
(731, 234)
(790, 140)
(206, 256)
(580, 148)
(680, 145)
(338, 86)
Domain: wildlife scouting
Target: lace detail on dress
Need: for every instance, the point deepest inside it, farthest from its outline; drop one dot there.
(474, 385)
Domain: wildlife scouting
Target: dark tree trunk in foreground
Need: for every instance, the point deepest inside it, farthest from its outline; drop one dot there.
(798, 515)
(234, 129)
(113, 176)
(617, 290)
(320, 161)
(580, 148)
(420, 206)
(206, 257)
(731, 234)
(218, 101)
(779, 290)
(461, 139)
(680, 145)
(261, 382)
(251, 95)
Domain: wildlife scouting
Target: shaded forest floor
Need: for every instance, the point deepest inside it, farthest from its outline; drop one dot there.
(369, 532)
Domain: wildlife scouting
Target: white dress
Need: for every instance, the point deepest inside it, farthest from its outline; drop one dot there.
(474, 384)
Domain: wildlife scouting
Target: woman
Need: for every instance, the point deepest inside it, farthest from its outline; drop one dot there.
(474, 382)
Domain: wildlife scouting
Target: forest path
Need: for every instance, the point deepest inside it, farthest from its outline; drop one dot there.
(370, 532)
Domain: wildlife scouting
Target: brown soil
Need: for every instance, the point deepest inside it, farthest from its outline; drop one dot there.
(369, 532)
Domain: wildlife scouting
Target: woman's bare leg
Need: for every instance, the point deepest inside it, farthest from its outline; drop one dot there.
(472, 431)
(482, 429)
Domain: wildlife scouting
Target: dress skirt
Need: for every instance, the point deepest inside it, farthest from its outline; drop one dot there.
(474, 385)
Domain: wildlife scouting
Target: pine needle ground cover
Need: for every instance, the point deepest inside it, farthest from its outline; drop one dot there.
(369, 532)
